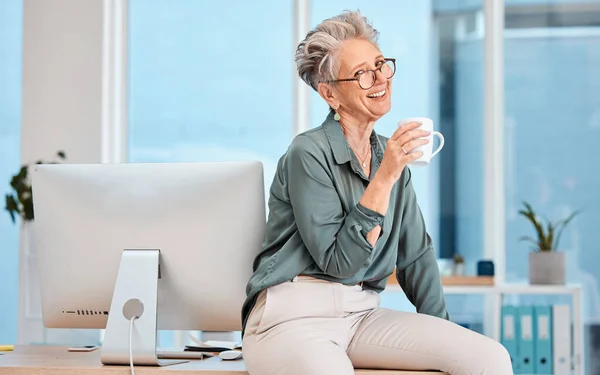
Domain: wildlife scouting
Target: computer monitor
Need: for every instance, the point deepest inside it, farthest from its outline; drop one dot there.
(170, 243)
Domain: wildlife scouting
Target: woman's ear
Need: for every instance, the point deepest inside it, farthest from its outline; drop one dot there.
(328, 94)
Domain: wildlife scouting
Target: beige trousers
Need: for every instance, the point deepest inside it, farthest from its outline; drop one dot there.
(314, 327)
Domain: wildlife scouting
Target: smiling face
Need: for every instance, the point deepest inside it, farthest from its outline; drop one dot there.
(351, 101)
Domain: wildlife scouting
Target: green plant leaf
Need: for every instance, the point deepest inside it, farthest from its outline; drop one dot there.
(529, 239)
(458, 259)
(20, 201)
(561, 225)
(11, 206)
(18, 179)
(28, 209)
(549, 237)
(530, 214)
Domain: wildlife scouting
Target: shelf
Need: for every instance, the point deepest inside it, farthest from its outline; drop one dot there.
(512, 289)
(525, 288)
(468, 280)
(484, 285)
(456, 280)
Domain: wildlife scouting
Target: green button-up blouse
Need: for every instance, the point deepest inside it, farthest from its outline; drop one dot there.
(317, 227)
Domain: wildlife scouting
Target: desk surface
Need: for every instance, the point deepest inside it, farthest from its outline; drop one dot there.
(51, 360)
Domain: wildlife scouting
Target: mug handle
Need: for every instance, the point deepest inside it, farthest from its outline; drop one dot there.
(441, 137)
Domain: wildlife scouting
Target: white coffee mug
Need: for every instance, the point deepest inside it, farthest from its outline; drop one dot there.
(427, 149)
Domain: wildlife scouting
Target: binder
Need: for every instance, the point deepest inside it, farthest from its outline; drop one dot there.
(509, 332)
(561, 331)
(525, 340)
(543, 340)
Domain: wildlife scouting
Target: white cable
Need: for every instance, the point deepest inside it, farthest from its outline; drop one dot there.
(131, 344)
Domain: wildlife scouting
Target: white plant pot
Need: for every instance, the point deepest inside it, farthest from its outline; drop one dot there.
(458, 269)
(547, 268)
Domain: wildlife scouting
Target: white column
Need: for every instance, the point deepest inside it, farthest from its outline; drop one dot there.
(114, 81)
(493, 165)
(301, 15)
(73, 100)
(493, 186)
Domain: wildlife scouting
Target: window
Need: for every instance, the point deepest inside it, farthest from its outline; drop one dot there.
(210, 82)
(11, 37)
(552, 129)
(461, 51)
(459, 42)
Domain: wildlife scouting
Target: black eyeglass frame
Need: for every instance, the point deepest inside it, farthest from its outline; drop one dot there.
(357, 78)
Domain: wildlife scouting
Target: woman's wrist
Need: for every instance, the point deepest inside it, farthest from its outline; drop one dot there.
(377, 195)
(384, 180)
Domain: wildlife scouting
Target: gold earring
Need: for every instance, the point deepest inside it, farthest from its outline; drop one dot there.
(336, 117)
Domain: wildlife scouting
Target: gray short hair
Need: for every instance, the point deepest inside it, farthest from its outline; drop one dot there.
(316, 56)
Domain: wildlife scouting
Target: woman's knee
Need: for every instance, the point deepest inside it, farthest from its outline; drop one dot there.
(495, 359)
(480, 354)
(500, 353)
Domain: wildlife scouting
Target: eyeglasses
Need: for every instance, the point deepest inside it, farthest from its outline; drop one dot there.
(367, 78)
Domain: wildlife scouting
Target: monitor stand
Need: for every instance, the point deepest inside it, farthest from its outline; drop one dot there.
(135, 295)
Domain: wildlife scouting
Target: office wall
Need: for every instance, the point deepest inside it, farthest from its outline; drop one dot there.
(62, 109)
(62, 79)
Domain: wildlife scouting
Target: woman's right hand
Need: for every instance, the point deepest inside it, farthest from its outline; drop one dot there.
(398, 152)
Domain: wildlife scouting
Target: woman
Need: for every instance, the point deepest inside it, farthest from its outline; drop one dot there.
(343, 214)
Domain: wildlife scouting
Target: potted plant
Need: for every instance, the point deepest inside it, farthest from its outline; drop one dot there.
(19, 204)
(458, 265)
(20, 201)
(547, 265)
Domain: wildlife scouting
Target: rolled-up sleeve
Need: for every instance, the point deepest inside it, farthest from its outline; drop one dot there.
(335, 239)
(416, 268)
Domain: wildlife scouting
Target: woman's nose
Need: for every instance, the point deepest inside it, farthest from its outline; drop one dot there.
(380, 77)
